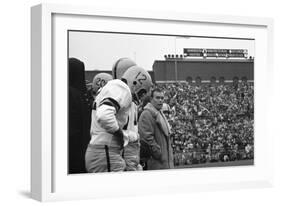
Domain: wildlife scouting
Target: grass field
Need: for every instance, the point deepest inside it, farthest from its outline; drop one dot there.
(219, 164)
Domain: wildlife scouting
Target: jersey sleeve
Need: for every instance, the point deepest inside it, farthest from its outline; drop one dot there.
(113, 99)
(106, 118)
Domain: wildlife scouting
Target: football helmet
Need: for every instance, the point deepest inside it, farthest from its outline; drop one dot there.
(120, 66)
(100, 80)
(139, 82)
(166, 108)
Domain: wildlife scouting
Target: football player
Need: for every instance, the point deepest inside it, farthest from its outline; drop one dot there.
(131, 153)
(110, 115)
(120, 66)
(99, 81)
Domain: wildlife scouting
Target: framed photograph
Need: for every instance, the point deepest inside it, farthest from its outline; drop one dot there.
(199, 85)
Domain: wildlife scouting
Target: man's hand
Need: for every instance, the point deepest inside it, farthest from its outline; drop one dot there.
(119, 136)
(126, 139)
(132, 136)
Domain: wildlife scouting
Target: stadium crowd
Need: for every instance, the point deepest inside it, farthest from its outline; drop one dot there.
(210, 122)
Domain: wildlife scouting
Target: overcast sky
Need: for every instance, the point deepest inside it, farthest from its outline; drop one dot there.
(99, 51)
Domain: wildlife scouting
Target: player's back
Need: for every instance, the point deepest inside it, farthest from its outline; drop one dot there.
(119, 93)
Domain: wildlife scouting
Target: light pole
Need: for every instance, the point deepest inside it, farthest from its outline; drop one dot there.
(176, 63)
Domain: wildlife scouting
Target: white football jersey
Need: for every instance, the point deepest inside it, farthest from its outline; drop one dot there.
(106, 118)
(131, 127)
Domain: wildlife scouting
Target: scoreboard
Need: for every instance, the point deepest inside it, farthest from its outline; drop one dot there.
(221, 53)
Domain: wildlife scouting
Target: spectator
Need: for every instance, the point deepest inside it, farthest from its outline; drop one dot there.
(216, 119)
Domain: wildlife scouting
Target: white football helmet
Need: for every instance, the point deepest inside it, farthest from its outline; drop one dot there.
(166, 108)
(139, 82)
(120, 66)
(100, 80)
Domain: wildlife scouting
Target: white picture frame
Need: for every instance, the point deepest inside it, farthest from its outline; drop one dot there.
(49, 179)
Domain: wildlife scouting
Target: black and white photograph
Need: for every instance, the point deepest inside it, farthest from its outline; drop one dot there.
(143, 102)
(164, 105)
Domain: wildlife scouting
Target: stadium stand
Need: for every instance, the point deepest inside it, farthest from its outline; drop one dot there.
(211, 122)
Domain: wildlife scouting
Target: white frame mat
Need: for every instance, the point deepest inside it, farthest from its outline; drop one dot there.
(49, 179)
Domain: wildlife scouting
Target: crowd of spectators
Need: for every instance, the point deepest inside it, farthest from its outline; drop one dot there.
(210, 122)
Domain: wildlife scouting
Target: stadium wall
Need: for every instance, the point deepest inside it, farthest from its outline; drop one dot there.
(89, 75)
(205, 69)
